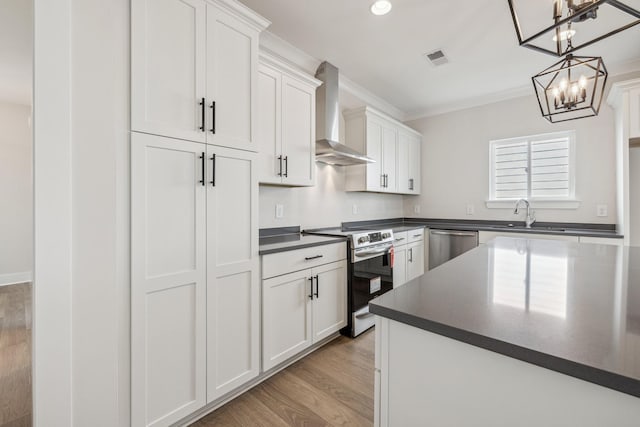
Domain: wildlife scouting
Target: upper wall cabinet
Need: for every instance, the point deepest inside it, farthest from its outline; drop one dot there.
(395, 147)
(286, 124)
(194, 70)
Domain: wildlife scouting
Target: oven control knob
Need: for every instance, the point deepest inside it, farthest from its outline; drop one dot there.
(363, 239)
(386, 235)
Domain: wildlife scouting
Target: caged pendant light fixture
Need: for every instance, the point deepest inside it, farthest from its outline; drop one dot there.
(572, 88)
(559, 27)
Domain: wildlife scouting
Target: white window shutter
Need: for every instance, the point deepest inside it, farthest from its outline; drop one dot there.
(511, 170)
(550, 168)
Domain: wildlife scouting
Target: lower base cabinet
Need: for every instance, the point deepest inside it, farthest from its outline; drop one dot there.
(409, 256)
(301, 308)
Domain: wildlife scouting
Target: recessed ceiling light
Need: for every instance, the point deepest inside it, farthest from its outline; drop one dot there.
(381, 7)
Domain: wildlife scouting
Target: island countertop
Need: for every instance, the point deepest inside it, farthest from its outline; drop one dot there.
(569, 307)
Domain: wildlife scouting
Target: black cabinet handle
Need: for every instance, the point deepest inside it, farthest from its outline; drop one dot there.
(213, 170)
(280, 159)
(202, 110)
(286, 166)
(386, 181)
(202, 160)
(411, 255)
(382, 179)
(309, 258)
(317, 294)
(411, 184)
(311, 284)
(213, 117)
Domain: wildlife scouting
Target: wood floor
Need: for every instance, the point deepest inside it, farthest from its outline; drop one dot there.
(331, 387)
(15, 355)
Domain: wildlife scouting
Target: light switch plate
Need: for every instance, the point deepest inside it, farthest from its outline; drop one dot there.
(601, 210)
(416, 209)
(470, 209)
(354, 209)
(279, 211)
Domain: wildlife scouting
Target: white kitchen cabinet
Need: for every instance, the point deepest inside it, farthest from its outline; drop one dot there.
(300, 308)
(194, 70)
(634, 113)
(286, 124)
(233, 282)
(195, 285)
(409, 155)
(409, 254)
(485, 236)
(386, 141)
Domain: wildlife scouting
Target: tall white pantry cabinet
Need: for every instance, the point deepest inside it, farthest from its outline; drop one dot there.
(195, 324)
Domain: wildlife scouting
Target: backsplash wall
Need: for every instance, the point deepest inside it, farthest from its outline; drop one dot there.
(326, 204)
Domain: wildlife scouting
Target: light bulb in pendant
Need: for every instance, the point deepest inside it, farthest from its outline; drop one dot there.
(582, 81)
(564, 83)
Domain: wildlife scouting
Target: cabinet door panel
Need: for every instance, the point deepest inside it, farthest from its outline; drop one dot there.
(168, 317)
(286, 317)
(269, 125)
(415, 260)
(232, 68)
(232, 270)
(374, 150)
(168, 67)
(232, 332)
(298, 132)
(389, 158)
(330, 299)
(415, 169)
(404, 160)
(400, 266)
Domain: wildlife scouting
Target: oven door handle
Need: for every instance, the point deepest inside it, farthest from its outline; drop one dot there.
(374, 252)
(364, 315)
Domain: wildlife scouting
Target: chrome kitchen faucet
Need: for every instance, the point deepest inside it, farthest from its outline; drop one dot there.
(530, 219)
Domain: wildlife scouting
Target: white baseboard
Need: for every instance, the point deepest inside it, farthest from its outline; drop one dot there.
(13, 278)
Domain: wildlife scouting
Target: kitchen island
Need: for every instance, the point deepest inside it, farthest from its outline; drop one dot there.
(515, 332)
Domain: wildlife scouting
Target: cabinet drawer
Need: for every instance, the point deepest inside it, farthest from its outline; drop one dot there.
(416, 235)
(400, 239)
(300, 259)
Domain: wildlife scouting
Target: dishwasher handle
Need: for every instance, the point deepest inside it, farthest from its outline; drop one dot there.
(454, 233)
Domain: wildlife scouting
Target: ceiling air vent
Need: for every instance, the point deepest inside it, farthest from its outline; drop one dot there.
(436, 58)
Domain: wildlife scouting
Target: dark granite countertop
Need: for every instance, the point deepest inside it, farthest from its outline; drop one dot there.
(569, 307)
(555, 228)
(274, 240)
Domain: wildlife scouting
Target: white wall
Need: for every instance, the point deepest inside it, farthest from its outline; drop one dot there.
(455, 161)
(16, 194)
(81, 312)
(326, 204)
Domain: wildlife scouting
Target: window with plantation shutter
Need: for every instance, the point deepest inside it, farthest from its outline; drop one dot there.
(538, 167)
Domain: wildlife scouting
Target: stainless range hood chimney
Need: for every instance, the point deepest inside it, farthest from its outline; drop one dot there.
(328, 149)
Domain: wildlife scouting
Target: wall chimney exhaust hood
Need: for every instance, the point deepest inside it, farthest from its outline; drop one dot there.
(328, 149)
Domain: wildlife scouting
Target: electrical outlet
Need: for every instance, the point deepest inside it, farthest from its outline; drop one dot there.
(416, 209)
(279, 211)
(354, 209)
(470, 209)
(601, 210)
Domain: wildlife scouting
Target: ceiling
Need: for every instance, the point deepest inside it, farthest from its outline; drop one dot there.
(384, 54)
(16, 51)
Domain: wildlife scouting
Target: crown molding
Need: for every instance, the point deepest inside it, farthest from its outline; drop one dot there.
(477, 101)
(245, 14)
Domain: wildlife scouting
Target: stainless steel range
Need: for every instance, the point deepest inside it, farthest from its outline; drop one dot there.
(370, 272)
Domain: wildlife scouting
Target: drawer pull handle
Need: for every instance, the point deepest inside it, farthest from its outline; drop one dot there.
(399, 239)
(309, 258)
(417, 235)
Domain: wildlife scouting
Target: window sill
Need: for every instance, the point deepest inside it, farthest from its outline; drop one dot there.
(535, 204)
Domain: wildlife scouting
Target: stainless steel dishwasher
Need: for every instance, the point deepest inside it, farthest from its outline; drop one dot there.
(447, 244)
